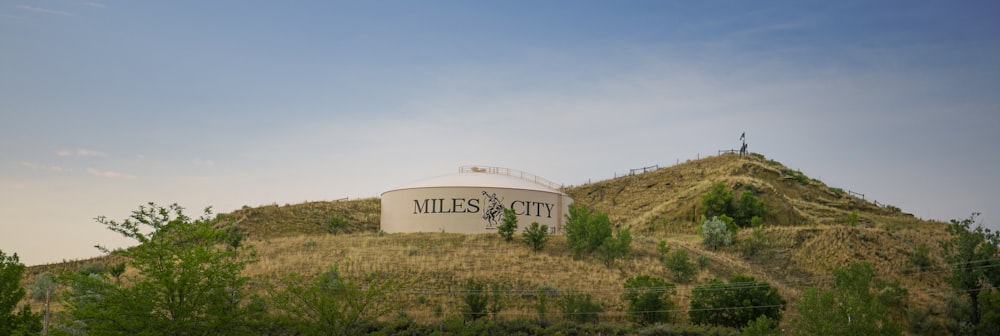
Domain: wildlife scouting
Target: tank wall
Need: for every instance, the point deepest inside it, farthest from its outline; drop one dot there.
(469, 209)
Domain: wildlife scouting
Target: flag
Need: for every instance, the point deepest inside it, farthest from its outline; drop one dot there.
(743, 136)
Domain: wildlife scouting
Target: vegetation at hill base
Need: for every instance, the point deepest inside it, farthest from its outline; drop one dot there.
(817, 257)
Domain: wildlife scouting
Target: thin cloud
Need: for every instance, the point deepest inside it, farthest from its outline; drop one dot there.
(54, 169)
(43, 10)
(109, 174)
(82, 152)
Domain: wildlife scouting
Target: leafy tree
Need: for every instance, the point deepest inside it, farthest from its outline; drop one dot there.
(11, 293)
(973, 255)
(508, 225)
(616, 247)
(536, 236)
(585, 230)
(648, 299)
(735, 304)
(117, 270)
(42, 290)
(580, 307)
(850, 308)
(189, 280)
(989, 321)
(716, 233)
(475, 299)
(749, 207)
(678, 263)
(333, 305)
(717, 201)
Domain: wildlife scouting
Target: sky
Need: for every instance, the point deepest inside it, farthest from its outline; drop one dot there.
(106, 105)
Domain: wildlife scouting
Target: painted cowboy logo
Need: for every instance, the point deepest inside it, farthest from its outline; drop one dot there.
(494, 209)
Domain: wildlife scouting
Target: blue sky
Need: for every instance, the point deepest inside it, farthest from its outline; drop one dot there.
(106, 105)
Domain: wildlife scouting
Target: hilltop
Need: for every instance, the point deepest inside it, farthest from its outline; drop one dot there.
(807, 233)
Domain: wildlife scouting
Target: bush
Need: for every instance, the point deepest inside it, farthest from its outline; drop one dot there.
(762, 326)
(616, 247)
(757, 242)
(508, 225)
(921, 259)
(749, 208)
(580, 307)
(852, 219)
(475, 300)
(336, 224)
(716, 233)
(678, 263)
(648, 299)
(536, 236)
(717, 201)
(735, 304)
(585, 230)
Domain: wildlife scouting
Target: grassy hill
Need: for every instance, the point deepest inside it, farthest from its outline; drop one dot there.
(806, 234)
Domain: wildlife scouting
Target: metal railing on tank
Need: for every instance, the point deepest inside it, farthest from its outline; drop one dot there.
(510, 172)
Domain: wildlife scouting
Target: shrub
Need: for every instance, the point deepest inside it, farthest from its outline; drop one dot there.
(508, 225)
(921, 259)
(735, 304)
(648, 300)
(762, 326)
(580, 307)
(585, 230)
(536, 236)
(475, 300)
(748, 209)
(678, 263)
(755, 244)
(616, 247)
(716, 233)
(336, 224)
(852, 219)
(717, 201)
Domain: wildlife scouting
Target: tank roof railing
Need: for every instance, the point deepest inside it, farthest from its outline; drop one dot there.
(510, 172)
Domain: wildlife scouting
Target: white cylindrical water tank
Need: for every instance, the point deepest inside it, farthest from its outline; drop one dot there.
(472, 201)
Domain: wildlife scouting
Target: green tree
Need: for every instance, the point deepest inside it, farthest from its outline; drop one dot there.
(717, 201)
(973, 256)
(678, 263)
(536, 236)
(716, 233)
(852, 307)
(617, 247)
(189, 280)
(331, 304)
(42, 290)
(475, 299)
(749, 207)
(508, 225)
(585, 230)
(11, 292)
(735, 304)
(648, 299)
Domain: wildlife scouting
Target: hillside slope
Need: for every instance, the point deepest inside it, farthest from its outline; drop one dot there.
(805, 236)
